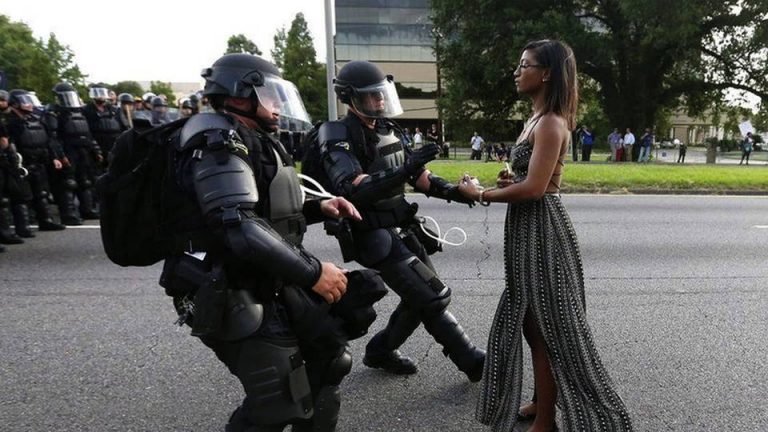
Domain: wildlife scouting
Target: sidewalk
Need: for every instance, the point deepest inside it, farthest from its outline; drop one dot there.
(697, 156)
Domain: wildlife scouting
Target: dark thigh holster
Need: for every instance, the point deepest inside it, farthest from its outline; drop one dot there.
(273, 375)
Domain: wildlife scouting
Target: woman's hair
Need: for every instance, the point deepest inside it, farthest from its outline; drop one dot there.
(562, 89)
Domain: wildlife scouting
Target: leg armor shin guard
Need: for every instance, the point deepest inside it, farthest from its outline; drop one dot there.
(456, 345)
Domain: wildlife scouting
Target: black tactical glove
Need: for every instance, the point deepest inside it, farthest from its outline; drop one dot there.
(420, 157)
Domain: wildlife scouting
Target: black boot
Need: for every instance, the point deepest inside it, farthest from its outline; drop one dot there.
(326, 415)
(66, 202)
(44, 220)
(7, 236)
(87, 208)
(378, 356)
(21, 220)
(456, 345)
(381, 352)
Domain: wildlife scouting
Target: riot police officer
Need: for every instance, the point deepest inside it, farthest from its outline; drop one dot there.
(125, 111)
(8, 169)
(32, 142)
(159, 111)
(237, 203)
(103, 119)
(366, 163)
(15, 186)
(82, 152)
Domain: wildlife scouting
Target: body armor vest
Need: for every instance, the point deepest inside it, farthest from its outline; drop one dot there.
(75, 125)
(107, 123)
(32, 143)
(389, 156)
(286, 202)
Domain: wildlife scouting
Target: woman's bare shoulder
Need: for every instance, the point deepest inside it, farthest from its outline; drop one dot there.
(552, 127)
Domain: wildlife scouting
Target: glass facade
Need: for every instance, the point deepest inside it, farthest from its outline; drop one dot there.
(396, 34)
(383, 30)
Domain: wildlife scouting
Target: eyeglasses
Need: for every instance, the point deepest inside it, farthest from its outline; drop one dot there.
(528, 65)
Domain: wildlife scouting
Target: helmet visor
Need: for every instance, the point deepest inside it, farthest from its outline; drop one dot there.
(24, 102)
(98, 93)
(69, 99)
(377, 100)
(281, 96)
(35, 101)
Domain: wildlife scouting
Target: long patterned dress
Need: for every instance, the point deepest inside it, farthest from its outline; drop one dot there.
(544, 273)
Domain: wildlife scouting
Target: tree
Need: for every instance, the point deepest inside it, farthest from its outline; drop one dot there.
(24, 60)
(159, 87)
(131, 87)
(240, 44)
(644, 56)
(278, 52)
(64, 66)
(295, 55)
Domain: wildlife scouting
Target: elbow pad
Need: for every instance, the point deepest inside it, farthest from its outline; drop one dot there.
(256, 241)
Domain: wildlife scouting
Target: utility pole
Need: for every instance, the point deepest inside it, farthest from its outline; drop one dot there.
(330, 60)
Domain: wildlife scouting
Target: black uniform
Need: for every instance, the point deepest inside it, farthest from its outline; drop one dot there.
(38, 152)
(252, 230)
(105, 126)
(83, 153)
(8, 171)
(349, 149)
(234, 196)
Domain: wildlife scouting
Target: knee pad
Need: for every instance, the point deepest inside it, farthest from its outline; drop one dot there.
(338, 368)
(275, 381)
(70, 184)
(4, 202)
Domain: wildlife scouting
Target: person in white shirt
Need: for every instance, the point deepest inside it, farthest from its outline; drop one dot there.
(477, 146)
(629, 141)
(418, 139)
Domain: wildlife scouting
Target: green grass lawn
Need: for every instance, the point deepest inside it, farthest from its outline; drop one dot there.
(630, 177)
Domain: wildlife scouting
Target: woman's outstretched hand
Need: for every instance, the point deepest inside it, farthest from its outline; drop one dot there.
(504, 178)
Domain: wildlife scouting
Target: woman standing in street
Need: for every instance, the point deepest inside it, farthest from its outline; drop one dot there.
(544, 296)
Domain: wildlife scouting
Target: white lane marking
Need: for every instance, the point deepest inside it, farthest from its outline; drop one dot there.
(760, 226)
(76, 227)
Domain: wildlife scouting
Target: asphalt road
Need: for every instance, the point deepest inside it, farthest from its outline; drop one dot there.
(677, 289)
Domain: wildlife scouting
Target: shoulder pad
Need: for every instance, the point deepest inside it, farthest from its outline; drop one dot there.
(332, 132)
(202, 122)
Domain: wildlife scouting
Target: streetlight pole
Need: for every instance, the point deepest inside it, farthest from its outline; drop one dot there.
(330, 60)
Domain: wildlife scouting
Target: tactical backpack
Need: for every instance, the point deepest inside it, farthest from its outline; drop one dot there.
(131, 196)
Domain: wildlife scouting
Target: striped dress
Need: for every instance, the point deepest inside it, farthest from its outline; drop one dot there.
(544, 273)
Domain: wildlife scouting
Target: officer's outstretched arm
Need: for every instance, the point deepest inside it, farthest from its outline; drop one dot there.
(439, 187)
(227, 194)
(347, 178)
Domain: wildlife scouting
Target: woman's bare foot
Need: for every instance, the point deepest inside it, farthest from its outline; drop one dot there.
(528, 411)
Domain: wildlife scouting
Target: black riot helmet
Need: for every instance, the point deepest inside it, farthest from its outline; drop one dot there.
(98, 93)
(125, 99)
(361, 85)
(4, 96)
(252, 77)
(21, 100)
(66, 96)
(157, 101)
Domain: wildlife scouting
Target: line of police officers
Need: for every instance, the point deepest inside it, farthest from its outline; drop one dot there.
(54, 153)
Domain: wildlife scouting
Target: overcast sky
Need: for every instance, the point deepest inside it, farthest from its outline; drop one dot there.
(165, 40)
